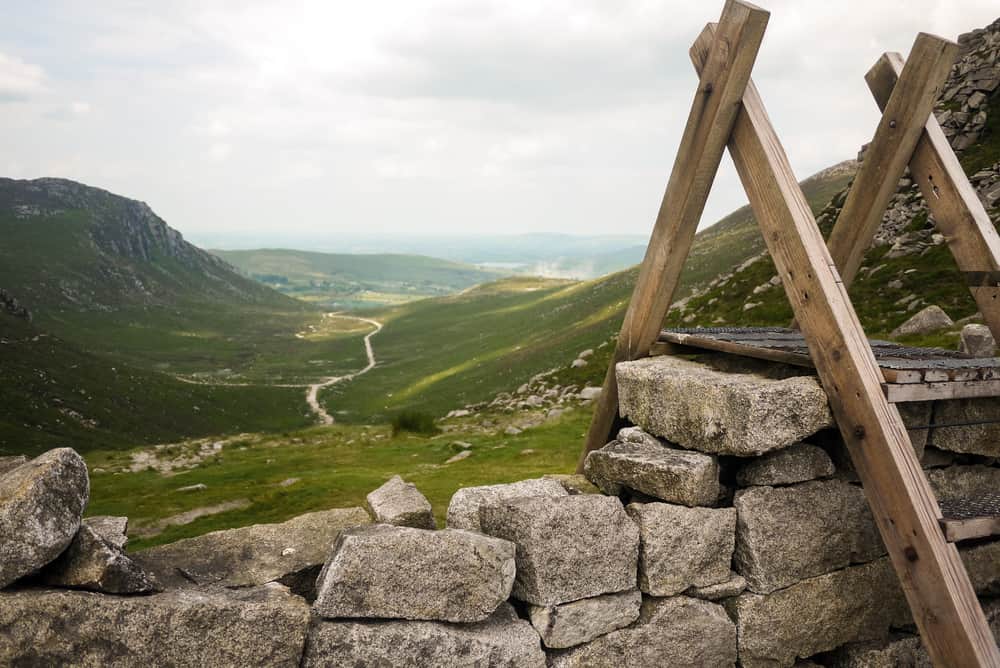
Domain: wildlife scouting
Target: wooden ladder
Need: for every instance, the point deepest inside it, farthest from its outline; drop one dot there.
(728, 111)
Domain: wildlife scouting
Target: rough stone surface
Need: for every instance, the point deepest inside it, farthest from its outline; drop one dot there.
(977, 439)
(574, 483)
(787, 534)
(385, 571)
(970, 481)
(683, 547)
(925, 321)
(251, 627)
(9, 463)
(251, 555)
(899, 651)
(503, 641)
(401, 503)
(575, 623)
(734, 586)
(798, 463)
(568, 547)
(679, 632)
(463, 510)
(92, 563)
(111, 529)
(41, 502)
(673, 475)
(816, 615)
(724, 413)
(977, 340)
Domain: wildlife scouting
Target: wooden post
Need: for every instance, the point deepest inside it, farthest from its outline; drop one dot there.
(932, 575)
(710, 121)
(958, 213)
(911, 102)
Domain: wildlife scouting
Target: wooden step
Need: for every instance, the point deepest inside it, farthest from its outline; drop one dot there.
(966, 518)
(910, 374)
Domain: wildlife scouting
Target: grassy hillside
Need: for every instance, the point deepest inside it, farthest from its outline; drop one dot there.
(731, 241)
(338, 280)
(54, 395)
(889, 288)
(328, 467)
(438, 354)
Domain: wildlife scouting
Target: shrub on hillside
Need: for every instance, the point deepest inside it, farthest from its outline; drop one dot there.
(414, 422)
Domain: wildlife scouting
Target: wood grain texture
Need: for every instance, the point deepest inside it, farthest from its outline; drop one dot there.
(903, 119)
(716, 102)
(932, 575)
(958, 213)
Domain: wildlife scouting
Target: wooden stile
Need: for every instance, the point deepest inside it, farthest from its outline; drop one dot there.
(932, 575)
(916, 534)
(724, 78)
(906, 111)
(958, 213)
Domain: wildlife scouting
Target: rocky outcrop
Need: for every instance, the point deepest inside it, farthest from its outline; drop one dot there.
(568, 547)
(384, 571)
(401, 503)
(41, 503)
(252, 555)
(463, 509)
(502, 640)
(715, 412)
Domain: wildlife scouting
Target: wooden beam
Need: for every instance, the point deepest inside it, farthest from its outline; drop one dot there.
(958, 213)
(960, 389)
(710, 121)
(932, 575)
(903, 120)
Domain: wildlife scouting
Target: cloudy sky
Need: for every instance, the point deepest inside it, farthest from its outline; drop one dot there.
(300, 120)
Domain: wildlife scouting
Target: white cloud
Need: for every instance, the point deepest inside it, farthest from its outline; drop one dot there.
(319, 116)
(19, 80)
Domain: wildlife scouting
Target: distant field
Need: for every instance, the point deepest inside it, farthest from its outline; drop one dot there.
(334, 467)
(346, 281)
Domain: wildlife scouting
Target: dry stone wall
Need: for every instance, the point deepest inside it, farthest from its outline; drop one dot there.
(674, 553)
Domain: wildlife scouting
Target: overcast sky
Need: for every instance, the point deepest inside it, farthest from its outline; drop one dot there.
(298, 119)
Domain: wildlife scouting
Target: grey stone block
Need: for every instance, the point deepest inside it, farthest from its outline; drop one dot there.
(568, 547)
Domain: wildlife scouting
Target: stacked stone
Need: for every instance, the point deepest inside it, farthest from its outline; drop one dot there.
(747, 503)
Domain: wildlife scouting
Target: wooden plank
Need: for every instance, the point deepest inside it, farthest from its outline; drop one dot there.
(978, 527)
(732, 347)
(935, 582)
(958, 213)
(964, 389)
(710, 121)
(904, 117)
(967, 518)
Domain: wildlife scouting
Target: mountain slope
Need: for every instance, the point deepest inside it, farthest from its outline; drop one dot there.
(909, 265)
(54, 395)
(338, 280)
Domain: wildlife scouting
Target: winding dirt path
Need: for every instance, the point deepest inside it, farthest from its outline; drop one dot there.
(313, 391)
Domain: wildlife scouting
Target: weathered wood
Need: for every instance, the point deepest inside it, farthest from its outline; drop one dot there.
(897, 393)
(935, 582)
(710, 121)
(905, 115)
(958, 213)
(969, 518)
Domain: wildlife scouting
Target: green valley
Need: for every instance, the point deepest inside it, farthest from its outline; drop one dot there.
(349, 281)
